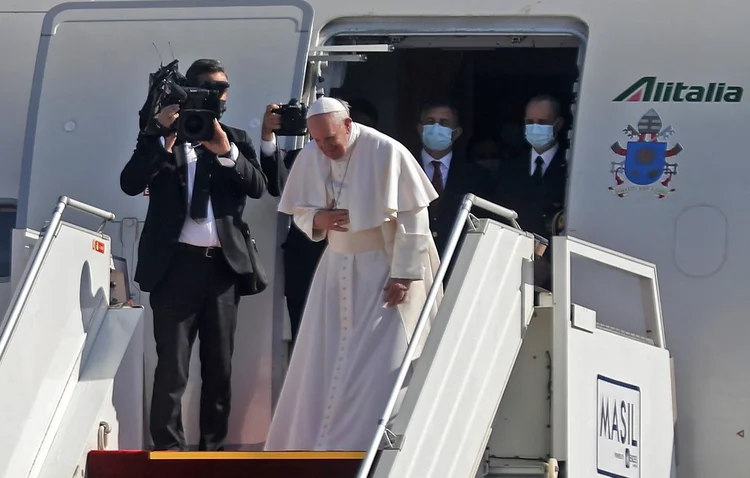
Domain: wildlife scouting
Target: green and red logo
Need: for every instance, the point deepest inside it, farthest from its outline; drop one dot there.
(650, 89)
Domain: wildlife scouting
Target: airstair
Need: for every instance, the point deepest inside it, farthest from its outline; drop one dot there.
(69, 367)
(513, 381)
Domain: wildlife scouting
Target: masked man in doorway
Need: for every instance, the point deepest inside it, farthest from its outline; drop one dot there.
(192, 258)
(451, 174)
(365, 193)
(533, 184)
(301, 255)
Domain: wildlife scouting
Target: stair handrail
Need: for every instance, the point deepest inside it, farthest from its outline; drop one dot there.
(450, 248)
(39, 255)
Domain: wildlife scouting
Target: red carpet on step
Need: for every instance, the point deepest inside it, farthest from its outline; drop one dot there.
(144, 464)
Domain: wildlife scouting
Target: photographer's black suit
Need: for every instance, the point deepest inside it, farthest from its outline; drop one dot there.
(194, 290)
(301, 254)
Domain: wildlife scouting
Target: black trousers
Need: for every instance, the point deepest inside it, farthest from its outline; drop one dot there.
(300, 264)
(295, 306)
(197, 297)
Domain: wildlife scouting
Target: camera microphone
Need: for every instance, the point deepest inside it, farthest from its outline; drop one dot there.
(177, 93)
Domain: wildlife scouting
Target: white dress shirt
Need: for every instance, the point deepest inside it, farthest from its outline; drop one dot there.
(547, 157)
(268, 147)
(445, 165)
(202, 234)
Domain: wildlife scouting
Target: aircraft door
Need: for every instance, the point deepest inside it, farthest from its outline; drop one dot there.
(90, 81)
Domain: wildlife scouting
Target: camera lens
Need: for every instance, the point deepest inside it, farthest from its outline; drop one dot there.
(193, 124)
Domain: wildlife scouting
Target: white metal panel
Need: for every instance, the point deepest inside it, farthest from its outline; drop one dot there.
(522, 424)
(5, 293)
(102, 72)
(263, 46)
(592, 367)
(46, 347)
(643, 398)
(22, 32)
(109, 388)
(24, 241)
(127, 394)
(462, 373)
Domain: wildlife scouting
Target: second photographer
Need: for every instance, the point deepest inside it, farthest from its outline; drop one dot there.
(193, 254)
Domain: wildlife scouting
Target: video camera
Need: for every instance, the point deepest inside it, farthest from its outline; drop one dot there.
(293, 119)
(198, 109)
(198, 106)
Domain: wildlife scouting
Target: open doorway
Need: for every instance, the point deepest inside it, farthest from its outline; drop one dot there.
(488, 78)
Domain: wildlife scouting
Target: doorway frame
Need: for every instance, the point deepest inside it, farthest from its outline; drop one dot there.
(455, 26)
(463, 26)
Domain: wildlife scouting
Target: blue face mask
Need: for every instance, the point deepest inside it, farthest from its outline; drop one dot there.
(437, 137)
(539, 135)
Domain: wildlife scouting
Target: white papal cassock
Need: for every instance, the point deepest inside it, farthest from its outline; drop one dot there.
(351, 344)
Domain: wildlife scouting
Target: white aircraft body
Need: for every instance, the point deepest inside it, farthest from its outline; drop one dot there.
(640, 82)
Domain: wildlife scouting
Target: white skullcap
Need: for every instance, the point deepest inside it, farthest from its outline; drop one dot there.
(325, 105)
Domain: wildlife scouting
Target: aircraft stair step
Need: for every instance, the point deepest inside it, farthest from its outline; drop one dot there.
(164, 464)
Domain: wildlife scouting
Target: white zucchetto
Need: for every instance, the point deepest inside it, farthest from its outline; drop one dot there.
(325, 105)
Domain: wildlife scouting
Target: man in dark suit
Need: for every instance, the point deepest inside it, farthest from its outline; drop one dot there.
(534, 184)
(301, 255)
(452, 175)
(192, 257)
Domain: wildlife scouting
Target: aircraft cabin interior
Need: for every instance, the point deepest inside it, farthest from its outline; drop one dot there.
(489, 80)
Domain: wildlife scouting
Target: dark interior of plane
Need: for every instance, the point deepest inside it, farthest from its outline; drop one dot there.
(490, 87)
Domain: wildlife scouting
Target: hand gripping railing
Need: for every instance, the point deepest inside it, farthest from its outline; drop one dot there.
(39, 255)
(450, 248)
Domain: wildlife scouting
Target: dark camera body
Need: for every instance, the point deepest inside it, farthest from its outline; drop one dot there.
(198, 109)
(198, 106)
(293, 119)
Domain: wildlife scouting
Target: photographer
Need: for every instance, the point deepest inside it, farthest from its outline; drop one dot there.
(301, 255)
(193, 253)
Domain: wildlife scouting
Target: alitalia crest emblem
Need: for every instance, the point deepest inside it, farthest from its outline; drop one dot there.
(645, 165)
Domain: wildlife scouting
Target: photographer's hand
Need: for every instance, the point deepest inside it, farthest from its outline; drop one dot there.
(219, 145)
(168, 115)
(271, 122)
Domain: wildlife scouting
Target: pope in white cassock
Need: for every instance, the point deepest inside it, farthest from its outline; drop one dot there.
(367, 194)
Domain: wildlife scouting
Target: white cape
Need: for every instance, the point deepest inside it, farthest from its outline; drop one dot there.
(350, 344)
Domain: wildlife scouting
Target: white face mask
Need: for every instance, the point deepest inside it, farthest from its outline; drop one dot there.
(539, 135)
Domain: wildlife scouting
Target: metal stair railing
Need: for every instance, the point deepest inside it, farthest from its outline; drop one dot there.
(8, 326)
(469, 201)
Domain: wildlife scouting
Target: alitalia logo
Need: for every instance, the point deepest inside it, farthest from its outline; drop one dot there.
(649, 88)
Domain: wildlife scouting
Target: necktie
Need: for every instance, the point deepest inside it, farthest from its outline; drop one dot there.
(538, 170)
(201, 188)
(437, 177)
